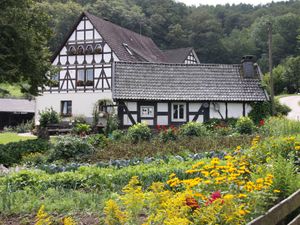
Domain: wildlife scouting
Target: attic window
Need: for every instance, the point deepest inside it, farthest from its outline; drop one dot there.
(98, 49)
(89, 49)
(72, 50)
(127, 48)
(80, 50)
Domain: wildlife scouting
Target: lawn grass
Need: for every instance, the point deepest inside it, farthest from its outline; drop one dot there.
(14, 90)
(8, 137)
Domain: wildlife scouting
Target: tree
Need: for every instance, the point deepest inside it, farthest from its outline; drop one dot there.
(24, 56)
(292, 74)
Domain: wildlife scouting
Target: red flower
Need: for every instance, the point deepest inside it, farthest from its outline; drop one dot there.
(261, 122)
(158, 127)
(164, 127)
(214, 196)
(192, 202)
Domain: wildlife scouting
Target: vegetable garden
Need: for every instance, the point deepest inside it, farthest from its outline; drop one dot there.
(181, 182)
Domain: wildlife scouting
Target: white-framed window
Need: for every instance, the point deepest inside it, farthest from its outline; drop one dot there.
(147, 111)
(178, 112)
(66, 108)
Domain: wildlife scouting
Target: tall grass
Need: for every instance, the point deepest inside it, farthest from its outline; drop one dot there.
(279, 126)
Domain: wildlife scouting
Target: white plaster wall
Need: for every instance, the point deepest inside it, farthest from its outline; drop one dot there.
(194, 107)
(132, 106)
(235, 110)
(127, 121)
(248, 109)
(162, 107)
(215, 114)
(162, 120)
(82, 103)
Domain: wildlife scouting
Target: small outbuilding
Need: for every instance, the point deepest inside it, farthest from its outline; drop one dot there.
(15, 111)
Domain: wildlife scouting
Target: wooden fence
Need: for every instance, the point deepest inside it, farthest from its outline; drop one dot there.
(277, 214)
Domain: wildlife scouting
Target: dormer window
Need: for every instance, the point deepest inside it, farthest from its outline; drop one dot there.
(89, 50)
(72, 50)
(98, 49)
(127, 48)
(80, 50)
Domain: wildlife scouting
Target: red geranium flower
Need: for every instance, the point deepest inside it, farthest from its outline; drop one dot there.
(261, 122)
(214, 196)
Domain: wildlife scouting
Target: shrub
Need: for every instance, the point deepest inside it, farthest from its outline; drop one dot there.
(139, 132)
(48, 116)
(193, 129)
(281, 109)
(112, 124)
(12, 152)
(97, 140)
(276, 126)
(70, 147)
(117, 135)
(245, 125)
(82, 128)
(169, 134)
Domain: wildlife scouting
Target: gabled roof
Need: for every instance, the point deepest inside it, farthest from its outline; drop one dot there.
(177, 55)
(17, 105)
(182, 82)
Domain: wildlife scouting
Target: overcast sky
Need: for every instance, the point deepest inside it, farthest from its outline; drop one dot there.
(223, 2)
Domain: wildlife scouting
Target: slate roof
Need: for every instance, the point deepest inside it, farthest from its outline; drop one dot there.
(182, 82)
(17, 105)
(177, 55)
(142, 47)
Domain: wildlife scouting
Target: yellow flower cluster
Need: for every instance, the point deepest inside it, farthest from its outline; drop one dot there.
(42, 218)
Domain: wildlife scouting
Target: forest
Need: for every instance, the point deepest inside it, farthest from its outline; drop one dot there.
(219, 34)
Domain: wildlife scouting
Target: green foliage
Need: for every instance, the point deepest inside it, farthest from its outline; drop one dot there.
(12, 153)
(112, 124)
(139, 132)
(260, 110)
(24, 32)
(279, 126)
(117, 135)
(22, 127)
(245, 125)
(48, 116)
(82, 128)
(97, 140)
(193, 129)
(169, 134)
(70, 147)
(281, 109)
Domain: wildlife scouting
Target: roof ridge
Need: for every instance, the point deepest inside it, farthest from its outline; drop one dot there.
(178, 64)
(116, 25)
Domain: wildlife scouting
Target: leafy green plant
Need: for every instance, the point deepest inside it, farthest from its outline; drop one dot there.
(193, 129)
(139, 132)
(278, 126)
(97, 140)
(117, 135)
(112, 124)
(245, 125)
(70, 147)
(12, 153)
(48, 116)
(82, 128)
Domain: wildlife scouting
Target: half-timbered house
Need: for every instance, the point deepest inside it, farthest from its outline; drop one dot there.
(85, 60)
(173, 94)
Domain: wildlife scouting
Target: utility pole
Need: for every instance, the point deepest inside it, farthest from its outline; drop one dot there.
(271, 68)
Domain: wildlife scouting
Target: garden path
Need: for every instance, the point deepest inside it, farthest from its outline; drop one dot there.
(293, 103)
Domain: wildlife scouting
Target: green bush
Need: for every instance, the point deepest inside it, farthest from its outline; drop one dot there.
(277, 126)
(12, 153)
(245, 125)
(117, 135)
(169, 134)
(112, 124)
(97, 140)
(193, 129)
(70, 147)
(281, 109)
(82, 128)
(139, 132)
(48, 116)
